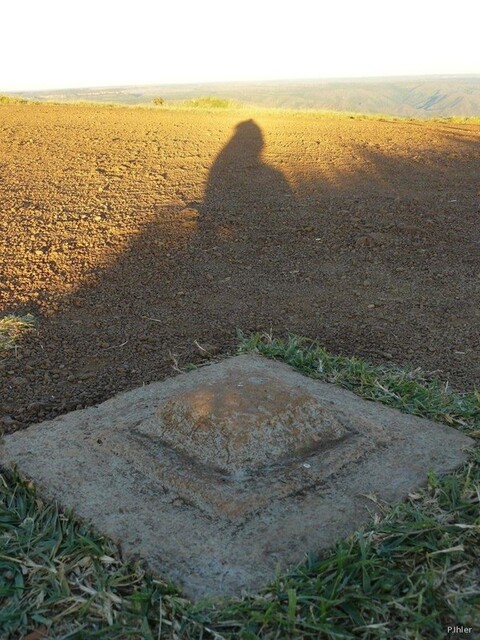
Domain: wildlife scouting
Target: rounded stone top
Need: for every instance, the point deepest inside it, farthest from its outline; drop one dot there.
(244, 422)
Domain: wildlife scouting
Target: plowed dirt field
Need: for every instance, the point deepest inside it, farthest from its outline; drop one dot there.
(133, 234)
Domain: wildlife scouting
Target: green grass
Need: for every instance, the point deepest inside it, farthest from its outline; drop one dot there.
(459, 120)
(12, 100)
(407, 575)
(11, 327)
(208, 102)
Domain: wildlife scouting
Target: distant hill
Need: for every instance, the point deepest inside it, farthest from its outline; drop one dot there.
(421, 97)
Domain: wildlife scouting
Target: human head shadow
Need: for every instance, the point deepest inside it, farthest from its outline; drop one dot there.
(243, 192)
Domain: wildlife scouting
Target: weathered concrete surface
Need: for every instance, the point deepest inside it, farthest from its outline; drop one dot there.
(218, 476)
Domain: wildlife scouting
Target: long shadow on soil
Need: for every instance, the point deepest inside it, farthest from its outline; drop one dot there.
(384, 267)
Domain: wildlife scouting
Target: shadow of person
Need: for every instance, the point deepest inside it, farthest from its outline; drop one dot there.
(344, 260)
(243, 193)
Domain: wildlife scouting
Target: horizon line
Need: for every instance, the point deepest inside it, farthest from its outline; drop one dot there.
(351, 79)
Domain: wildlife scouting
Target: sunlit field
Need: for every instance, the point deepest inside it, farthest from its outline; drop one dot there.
(136, 242)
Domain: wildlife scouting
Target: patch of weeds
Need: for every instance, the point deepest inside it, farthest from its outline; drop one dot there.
(12, 100)
(11, 328)
(209, 102)
(60, 577)
(458, 120)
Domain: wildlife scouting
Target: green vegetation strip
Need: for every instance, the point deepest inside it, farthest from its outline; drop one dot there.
(411, 573)
(12, 100)
(209, 102)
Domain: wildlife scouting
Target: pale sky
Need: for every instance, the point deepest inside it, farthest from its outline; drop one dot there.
(47, 44)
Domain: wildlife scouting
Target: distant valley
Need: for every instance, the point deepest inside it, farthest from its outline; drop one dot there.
(421, 97)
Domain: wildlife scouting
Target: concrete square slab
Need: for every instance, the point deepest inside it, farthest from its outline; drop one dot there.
(219, 476)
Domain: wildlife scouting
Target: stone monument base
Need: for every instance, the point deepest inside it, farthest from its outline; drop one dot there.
(220, 476)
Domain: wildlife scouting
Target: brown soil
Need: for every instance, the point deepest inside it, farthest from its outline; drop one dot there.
(132, 234)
